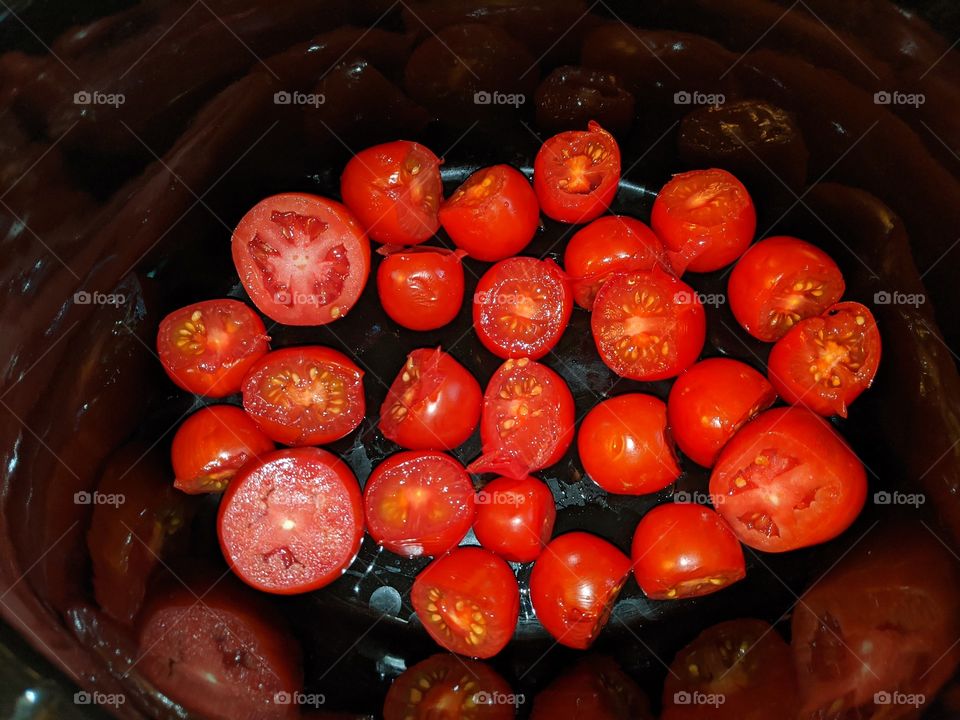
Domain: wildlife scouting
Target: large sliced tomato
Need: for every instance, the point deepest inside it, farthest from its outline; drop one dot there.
(595, 689)
(303, 259)
(787, 480)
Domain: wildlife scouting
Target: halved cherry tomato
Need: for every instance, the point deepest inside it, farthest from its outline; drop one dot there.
(825, 362)
(419, 503)
(303, 259)
(420, 288)
(787, 480)
(447, 687)
(521, 307)
(433, 404)
(207, 348)
(211, 445)
(648, 325)
(613, 243)
(624, 445)
(574, 584)
(736, 670)
(395, 191)
(595, 689)
(493, 215)
(710, 401)
(515, 517)
(780, 281)
(576, 173)
(291, 522)
(527, 421)
(468, 601)
(705, 218)
(684, 550)
(307, 395)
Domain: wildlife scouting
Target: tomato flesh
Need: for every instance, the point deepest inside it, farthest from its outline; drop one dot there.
(515, 517)
(421, 288)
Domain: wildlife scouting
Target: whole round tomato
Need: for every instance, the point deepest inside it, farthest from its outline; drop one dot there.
(433, 404)
(394, 189)
(648, 325)
(308, 395)
(211, 445)
(705, 218)
(421, 288)
(576, 174)
(208, 347)
(468, 601)
(574, 584)
(493, 215)
(710, 401)
(780, 281)
(419, 503)
(684, 550)
(303, 259)
(825, 362)
(624, 445)
(521, 307)
(515, 517)
(787, 480)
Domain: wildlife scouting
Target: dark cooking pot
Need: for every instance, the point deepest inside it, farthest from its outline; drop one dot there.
(133, 142)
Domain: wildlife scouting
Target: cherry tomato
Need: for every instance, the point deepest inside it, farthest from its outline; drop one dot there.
(710, 401)
(648, 325)
(493, 215)
(780, 281)
(576, 173)
(211, 445)
(515, 517)
(683, 550)
(395, 191)
(419, 503)
(433, 404)
(207, 348)
(624, 445)
(787, 480)
(307, 395)
(571, 96)
(521, 307)
(825, 362)
(527, 421)
(595, 689)
(447, 687)
(303, 259)
(468, 601)
(705, 218)
(421, 288)
(292, 522)
(613, 243)
(574, 584)
(736, 670)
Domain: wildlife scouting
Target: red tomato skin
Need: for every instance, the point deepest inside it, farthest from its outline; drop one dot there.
(553, 314)
(292, 431)
(422, 288)
(704, 248)
(515, 517)
(788, 432)
(571, 207)
(777, 263)
(710, 401)
(574, 585)
(300, 477)
(211, 445)
(497, 224)
(445, 409)
(483, 578)
(209, 378)
(793, 355)
(280, 302)
(678, 548)
(594, 689)
(373, 182)
(625, 447)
